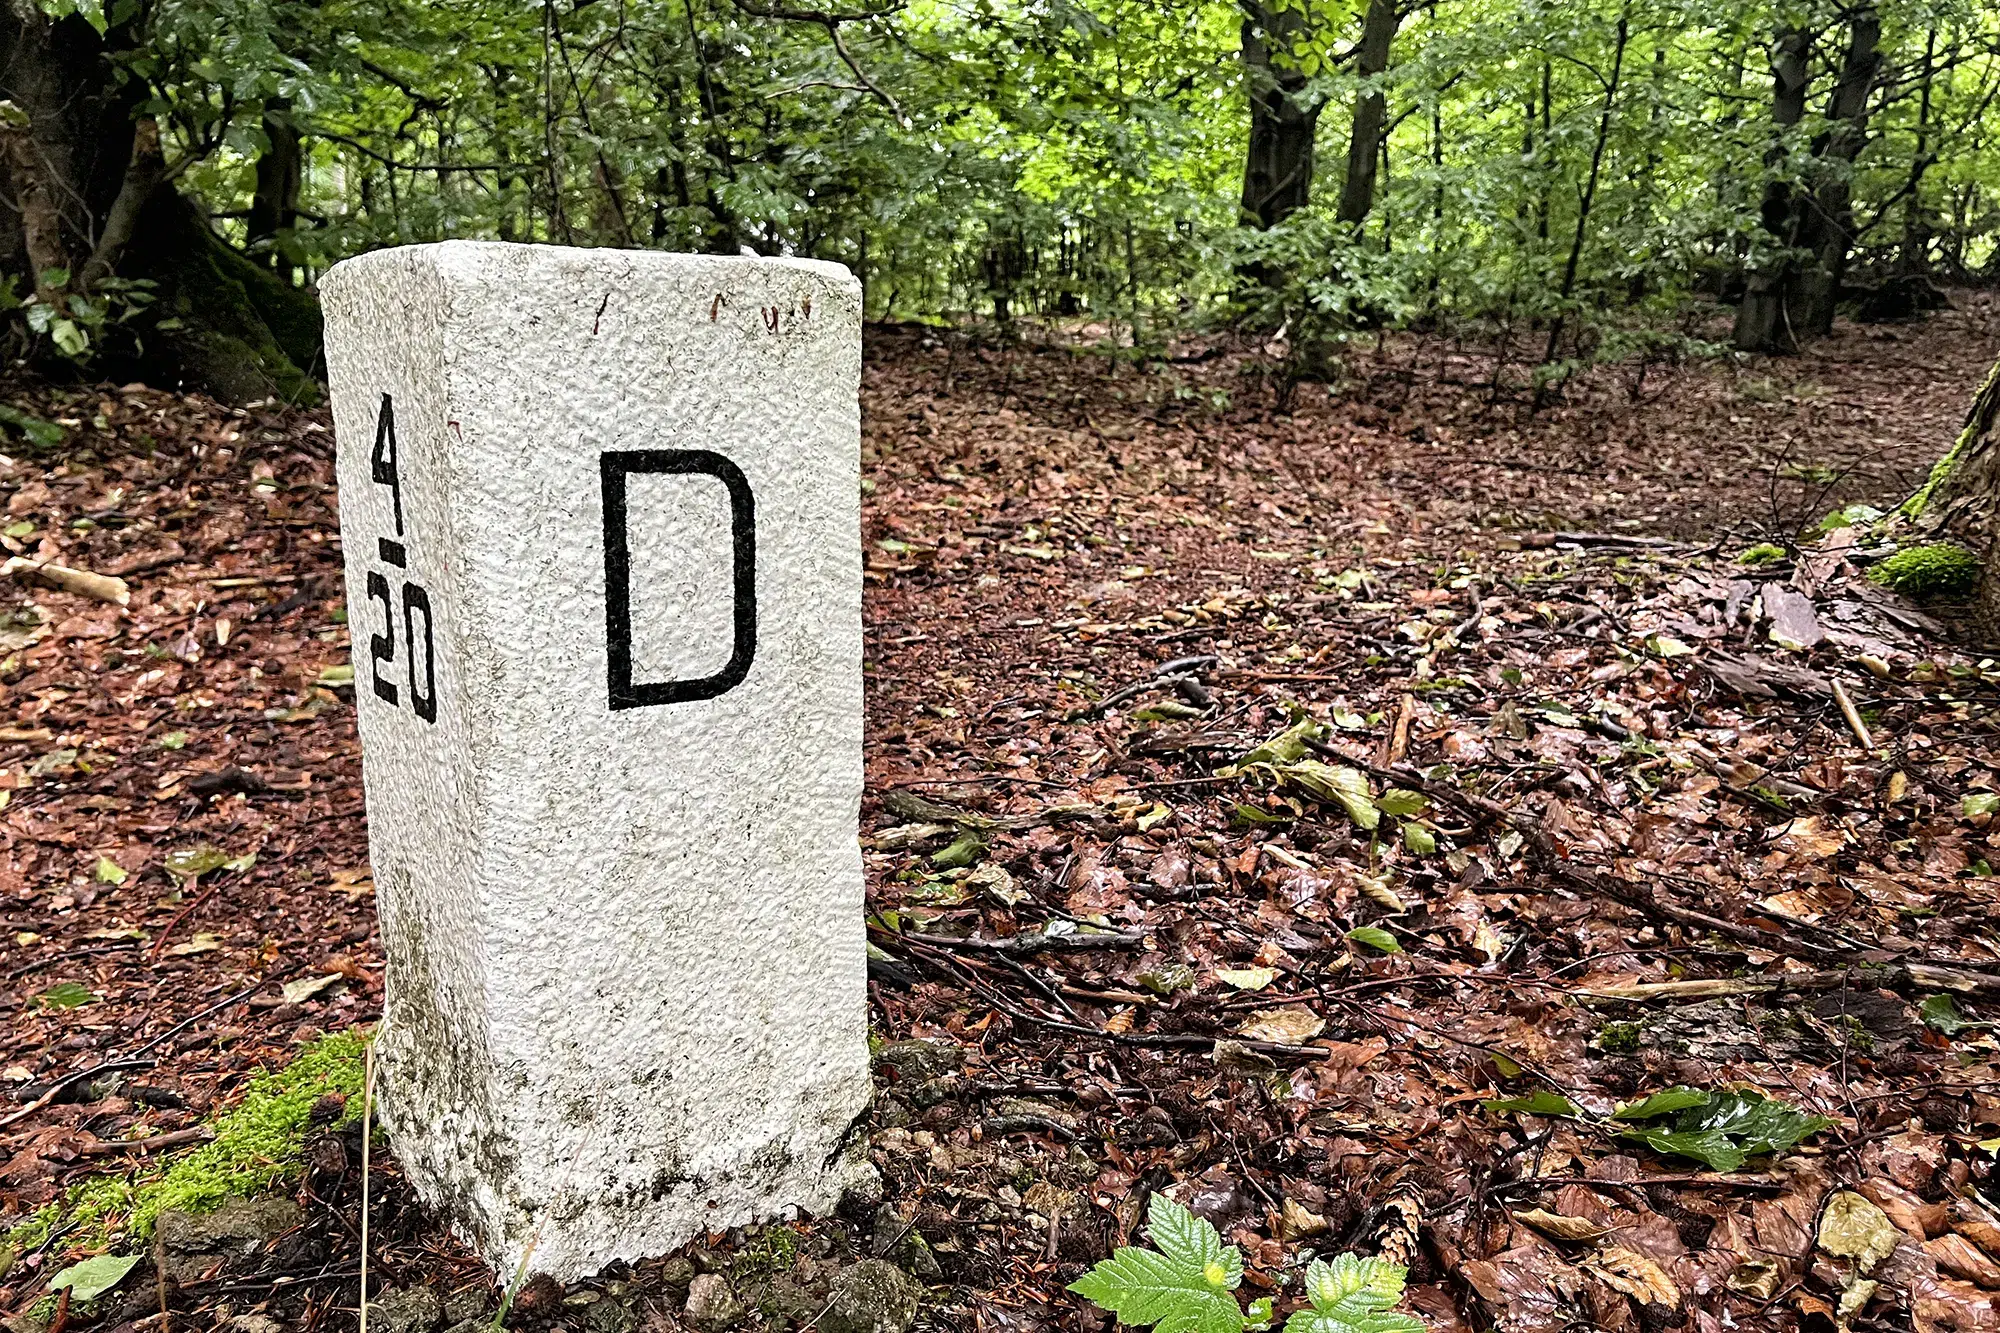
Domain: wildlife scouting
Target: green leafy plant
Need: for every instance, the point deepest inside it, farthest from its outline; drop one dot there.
(67, 995)
(93, 1277)
(1851, 516)
(1188, 1285)
(1539, 1103)
(1721, 1130)
(37, 432)
(1353, 1295)
(1943, 569)
(1941, 1014)
(1375, 938)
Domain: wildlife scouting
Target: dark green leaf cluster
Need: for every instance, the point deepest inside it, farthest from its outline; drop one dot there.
(1721, 1130)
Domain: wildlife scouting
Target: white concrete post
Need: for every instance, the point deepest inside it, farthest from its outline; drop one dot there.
(600, 511)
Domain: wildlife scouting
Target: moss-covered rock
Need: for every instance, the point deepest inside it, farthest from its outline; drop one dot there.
(1943, 569)
(256, 1144)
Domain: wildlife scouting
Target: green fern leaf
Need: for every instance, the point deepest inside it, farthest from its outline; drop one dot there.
(1186, 1286)
(1353, 1295)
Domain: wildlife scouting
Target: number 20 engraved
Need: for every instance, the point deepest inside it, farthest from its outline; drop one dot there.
(382, 647)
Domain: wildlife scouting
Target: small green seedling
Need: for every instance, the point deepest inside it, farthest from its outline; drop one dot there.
(1852, 516)
(1353, 1295)
(1188, 1285)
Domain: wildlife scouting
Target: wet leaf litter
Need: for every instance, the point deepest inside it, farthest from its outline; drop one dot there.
(1310, 825)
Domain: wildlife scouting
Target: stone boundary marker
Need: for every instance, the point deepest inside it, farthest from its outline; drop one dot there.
(600, 511)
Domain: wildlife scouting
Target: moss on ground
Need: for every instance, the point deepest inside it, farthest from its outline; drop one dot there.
(1941, 570)
(256, 1144)
(1763, 553)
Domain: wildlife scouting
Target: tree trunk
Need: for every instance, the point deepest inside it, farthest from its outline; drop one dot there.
(1277, 171)
(97, 202)
(1762, 324)
(1913, 257)
(1963, 492)
(1586, 199)
(1828, 224)
(1378, 30)
(274, 207)
(244, 332)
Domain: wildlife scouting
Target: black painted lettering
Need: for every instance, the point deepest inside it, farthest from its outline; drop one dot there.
(613, 469)
(423, 702)
(382, 463)
(382, 647)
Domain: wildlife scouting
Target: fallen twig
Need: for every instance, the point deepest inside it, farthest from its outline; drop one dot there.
(82, 582)
(1639, 1186)
(152, 1144)
(1183, 685)
(1854, 722)
(1030, 942)
(1911, 976)
(50, 1093)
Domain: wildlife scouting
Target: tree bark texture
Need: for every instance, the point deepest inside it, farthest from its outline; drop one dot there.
(1378, 31)
(93, 200)
(1827, 232)
(1762, 324)
(1278, 168)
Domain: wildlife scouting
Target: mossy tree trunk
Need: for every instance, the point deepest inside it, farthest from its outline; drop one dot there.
(96, 207)
(1963, 491)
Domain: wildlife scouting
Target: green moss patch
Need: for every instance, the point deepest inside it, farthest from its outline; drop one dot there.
(256, 1145)
(1763, 553)
(1944, 569)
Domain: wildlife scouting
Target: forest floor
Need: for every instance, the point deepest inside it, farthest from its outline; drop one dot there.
(1254, 800)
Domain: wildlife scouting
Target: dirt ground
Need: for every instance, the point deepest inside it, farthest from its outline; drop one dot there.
(1634, 842)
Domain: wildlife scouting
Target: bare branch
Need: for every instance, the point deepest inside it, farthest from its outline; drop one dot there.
(831, 22)
(833, 31)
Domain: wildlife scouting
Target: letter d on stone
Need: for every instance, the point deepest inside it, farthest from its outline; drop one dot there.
(600, 512)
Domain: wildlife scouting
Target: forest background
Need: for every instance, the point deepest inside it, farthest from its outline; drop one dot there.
(1574, 182)
(1653, 763)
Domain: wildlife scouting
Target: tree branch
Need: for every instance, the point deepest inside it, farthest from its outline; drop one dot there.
(833, 31)
(831, 22)
(143, 175)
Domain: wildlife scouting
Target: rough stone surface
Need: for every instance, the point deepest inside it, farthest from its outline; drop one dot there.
(239, 1226)
(609, 1317)
(922, 1059)
(190, 1242)
(626, 986)
(711, 1305)
(873, 1296)
(406, 1310)
(468, 1304)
